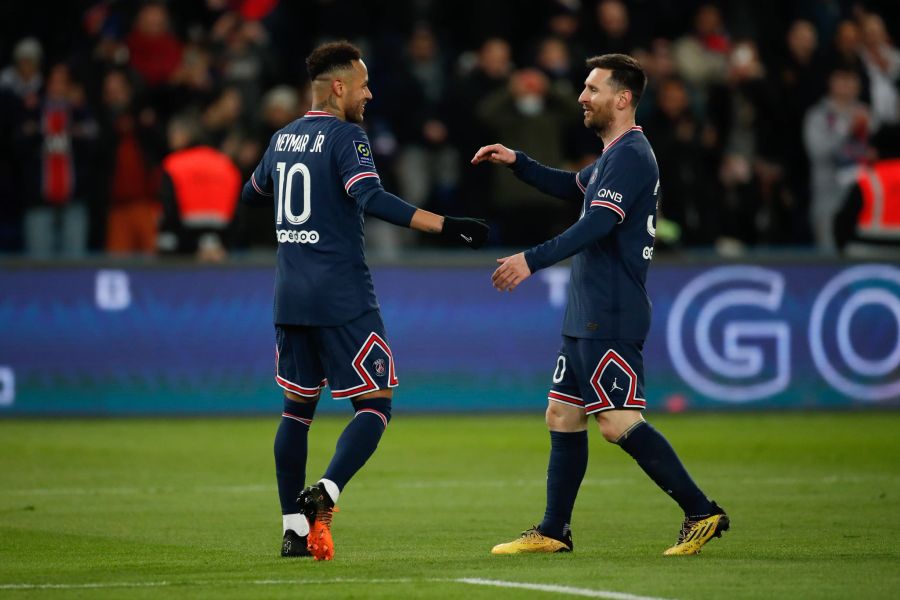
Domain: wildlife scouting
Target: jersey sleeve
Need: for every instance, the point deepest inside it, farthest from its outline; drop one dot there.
(355, 161)
(556, 182)
(619, 185)
(260, 188)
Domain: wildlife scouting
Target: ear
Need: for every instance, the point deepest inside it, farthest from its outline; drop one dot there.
(337, 87)
(623, 100)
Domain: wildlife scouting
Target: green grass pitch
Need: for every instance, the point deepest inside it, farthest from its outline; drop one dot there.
(157, 508)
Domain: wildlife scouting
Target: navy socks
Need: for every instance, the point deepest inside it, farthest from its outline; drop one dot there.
(657, 458)
(568, 463)
(290, 452)
(359, 439)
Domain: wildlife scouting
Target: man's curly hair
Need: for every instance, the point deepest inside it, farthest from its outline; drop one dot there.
(332, 56)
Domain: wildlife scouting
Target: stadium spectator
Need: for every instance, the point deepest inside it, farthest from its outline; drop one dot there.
(489, 74)
(882, 62)
(131, 147)
(836, 132)
(245, 62)
(23, 78)
(845, 55)
(199, 192)
(223, 115)
(555, 62)
(219, 59)
(194, 82)
(530, 115)
(564, 23)
(659, 64)
(613, 25)
(414, 96)
(685, 150)
(702, 55)
(745, 114)
(802, 80)
(154, 51)
(54, 141)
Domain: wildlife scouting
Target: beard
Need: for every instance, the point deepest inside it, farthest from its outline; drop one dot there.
(355, 115)
(600, 119)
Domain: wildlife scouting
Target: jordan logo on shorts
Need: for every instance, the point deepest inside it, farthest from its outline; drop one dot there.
(615, 386)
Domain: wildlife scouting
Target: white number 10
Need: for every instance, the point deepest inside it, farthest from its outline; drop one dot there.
(284, 193)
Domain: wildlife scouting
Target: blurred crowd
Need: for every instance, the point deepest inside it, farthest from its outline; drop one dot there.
(761, 113)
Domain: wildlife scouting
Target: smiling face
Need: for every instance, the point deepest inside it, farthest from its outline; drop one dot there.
(356, 92)
(599, 100)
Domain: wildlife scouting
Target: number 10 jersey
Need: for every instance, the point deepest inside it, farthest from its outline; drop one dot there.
(314, 171)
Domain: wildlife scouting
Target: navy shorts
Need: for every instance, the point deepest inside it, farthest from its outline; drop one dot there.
(599, 375)
(351, 359)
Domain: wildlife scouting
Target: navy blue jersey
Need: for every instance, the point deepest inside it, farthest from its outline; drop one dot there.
(320, 173)
(612, 242)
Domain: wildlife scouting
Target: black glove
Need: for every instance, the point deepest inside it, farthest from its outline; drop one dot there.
(468, 232)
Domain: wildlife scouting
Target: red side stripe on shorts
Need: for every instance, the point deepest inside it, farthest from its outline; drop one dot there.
(565, 398)
(293, 387)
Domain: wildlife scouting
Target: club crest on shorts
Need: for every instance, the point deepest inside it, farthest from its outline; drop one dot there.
(380, 368)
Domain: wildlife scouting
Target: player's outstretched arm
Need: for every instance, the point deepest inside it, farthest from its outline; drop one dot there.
(556, 182)
(515, 269)
(495, 153)
(459, 230)
(388, 207)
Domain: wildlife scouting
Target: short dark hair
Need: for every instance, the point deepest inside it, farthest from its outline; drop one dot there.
(626, 73)
(330, 57)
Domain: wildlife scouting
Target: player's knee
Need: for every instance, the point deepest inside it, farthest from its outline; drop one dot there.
(608, 430)
(614, 423)
(302, 399)
(560, 417)
(379, 407)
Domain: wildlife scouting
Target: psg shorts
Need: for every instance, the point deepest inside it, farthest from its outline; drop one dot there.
(351, 359)
(599, 375)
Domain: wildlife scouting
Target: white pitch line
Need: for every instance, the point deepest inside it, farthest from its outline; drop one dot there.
(558, 589)
(538, 587)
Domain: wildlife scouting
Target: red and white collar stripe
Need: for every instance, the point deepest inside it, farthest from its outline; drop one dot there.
(621, 135)
(319, 113)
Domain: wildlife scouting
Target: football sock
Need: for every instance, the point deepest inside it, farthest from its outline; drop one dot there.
(568, 463)
(296, 522)
(290, 452)
(359, 439)
(657, 458)
(334, 492)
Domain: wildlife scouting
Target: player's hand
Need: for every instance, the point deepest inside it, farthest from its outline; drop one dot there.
(496, 153)
(512, 271)
(468, 232)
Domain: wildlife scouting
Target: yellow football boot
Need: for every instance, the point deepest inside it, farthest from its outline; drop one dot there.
(533, 541)
(696, 532)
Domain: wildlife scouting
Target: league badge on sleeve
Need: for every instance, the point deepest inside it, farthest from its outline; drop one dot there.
(364, 154)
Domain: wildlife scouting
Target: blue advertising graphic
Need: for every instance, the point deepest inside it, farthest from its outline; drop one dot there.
(194, 340)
